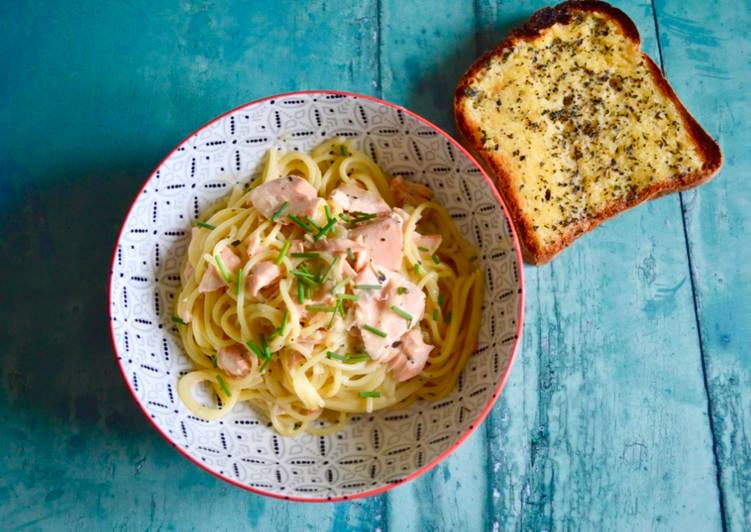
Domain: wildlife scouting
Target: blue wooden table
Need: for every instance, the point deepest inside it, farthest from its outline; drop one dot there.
(628, 404)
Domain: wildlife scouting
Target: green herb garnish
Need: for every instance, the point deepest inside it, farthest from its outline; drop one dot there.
(350, 255)
(321, 308)
(338, 307)
(282, 252)
(370, 394)
(326, 229)
(368, 286)
(222, 270)
(403, 313)
(343, 150)
(348, 297)
(306, 255)
(401, 290)
(328, 270)
(340, 284)
(257, 350)
(213, 360)
(435, 314)
(205, 225)
(357, 357)
(300, 223)
(418, 269)
(239, 283)
(178, 319)
(436, 259)
(279, 331)
(300, 292)
(423, 248)
(223, 385)
(312, 222)
(280, 211)
(441, 300)
(335, 356)
(375, 331)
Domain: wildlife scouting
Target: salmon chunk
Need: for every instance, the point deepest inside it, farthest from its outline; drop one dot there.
(299, 195)
(408, 359)
(262, 275)
(383, 239)
(352, 198)
(232, 362)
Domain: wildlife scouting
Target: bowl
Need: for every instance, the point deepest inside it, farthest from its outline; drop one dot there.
(376, 451)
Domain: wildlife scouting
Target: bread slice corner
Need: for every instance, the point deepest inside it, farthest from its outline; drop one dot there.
(576, 124)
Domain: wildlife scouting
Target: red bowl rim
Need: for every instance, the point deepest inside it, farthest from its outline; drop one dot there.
(485, 411)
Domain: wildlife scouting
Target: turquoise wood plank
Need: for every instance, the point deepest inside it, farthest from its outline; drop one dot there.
(423, 52)
(604, 422)
(706, 51)
(92, 97)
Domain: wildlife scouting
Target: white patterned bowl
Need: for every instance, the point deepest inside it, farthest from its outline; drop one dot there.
(375, 452)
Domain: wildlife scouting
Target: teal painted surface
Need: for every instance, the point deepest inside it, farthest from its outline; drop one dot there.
(628, 405)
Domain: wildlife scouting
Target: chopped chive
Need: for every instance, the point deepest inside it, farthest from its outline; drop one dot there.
(213, 360)
(312, 222)
(370, 394)
(403, 313)
(401, 290)
(441, 300)
(178, 319)
(364, 216)
(279, 331)
(337, 308)
(435, 314)
(436, 259)
(375, 331)
(368, 286)
(357, 357)
(263, 366)
(326, 229)
(348, 297)
(239, 282)
(345, 217)
(205, 225)
(280, 211)
(306, 278)
(335, 356)
(328, 270)
(299, 222)
(300, 292)
(254, 347)
(418, 269)
(306, 289)
(321, 308)
(343, 150)
(222, 269)
(423, 248)
(282, 252)
(265, 347)
(306, 255)
(447, 319)
(224, 386)
(350, 255)
(341, 308)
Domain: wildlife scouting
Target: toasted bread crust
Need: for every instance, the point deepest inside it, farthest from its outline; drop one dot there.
(496, 165)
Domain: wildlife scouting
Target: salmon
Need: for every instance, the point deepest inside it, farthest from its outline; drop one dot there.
(374, 309)
(409, 192)
(352, 198)
(429, 242)
(262, 275)
(232, 362)
(212, 279)
(383, 239)
(254, 244)
(339, 246)
(408, 359)
(300, 196)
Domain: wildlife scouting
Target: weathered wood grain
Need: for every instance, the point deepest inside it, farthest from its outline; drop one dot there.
(603, 424)
(706, 52)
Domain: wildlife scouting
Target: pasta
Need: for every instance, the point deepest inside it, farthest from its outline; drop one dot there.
(325, 289)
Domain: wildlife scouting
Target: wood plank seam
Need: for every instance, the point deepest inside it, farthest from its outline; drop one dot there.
(692, 275)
